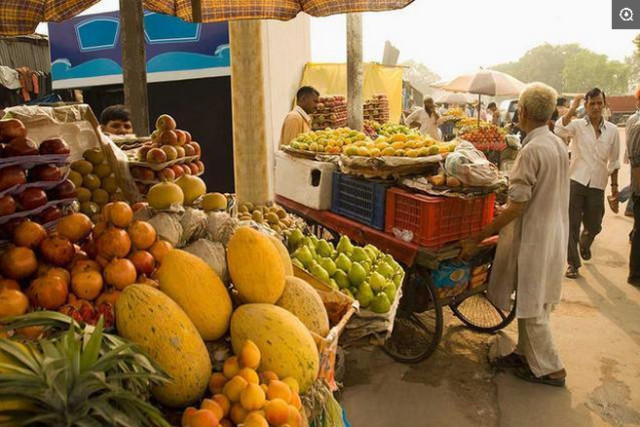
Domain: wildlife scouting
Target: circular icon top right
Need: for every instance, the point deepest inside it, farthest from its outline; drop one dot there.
(626, 14)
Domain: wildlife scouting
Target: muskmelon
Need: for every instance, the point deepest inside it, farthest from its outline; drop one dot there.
(286, 346)
(163, 330)
(303, 301)
(284, 254)
(195, 286)
(255, 266)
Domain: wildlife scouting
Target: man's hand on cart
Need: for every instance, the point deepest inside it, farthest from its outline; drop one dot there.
(469, 248)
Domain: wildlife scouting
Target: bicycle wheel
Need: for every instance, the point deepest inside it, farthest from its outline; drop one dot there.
(416, 335)
(480, 315)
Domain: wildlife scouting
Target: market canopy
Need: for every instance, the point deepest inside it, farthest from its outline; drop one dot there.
(18, 17)
(483, 82)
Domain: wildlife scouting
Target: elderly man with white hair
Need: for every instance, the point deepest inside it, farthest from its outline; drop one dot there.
(534, 227)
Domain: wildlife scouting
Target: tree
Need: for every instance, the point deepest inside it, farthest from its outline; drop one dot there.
(634, 65)
(420, 76)
(587, 69)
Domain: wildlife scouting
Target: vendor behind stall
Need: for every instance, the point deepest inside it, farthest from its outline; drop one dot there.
(427, 117)
(298, 120)
(116, 120)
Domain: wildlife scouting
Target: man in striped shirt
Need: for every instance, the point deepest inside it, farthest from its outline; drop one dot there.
(633, 150)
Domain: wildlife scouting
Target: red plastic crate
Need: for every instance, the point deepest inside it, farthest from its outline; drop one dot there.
(437, 221)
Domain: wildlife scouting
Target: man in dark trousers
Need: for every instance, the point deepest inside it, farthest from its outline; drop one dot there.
(595, 157)
(633, 150)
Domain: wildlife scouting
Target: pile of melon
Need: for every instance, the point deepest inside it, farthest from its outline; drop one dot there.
(276, 312)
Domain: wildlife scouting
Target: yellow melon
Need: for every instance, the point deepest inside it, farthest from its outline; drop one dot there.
(302, 300)
(284, 254)
(255, 266)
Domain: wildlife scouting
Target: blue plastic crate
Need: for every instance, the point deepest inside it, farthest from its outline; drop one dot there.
(359, 199)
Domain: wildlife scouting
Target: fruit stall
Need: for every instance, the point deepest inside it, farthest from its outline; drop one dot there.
(189, 307)
(407, 196)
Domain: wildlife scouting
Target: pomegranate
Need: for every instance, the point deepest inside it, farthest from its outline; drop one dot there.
(29, 234)
(7, 205)
(54, 146)
(18, 263)
(20, 146)
(45, 173)
(57, 250)
(32, 198)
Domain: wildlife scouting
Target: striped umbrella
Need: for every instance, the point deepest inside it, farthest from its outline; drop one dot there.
(18, 17)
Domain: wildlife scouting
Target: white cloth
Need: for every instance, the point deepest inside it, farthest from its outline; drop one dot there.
(593, 158)
(536, 344)
(428, 123)
(532, 249)
(304, 114)
(9, 78)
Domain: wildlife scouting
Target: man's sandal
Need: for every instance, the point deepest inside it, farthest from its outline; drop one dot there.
(525, 373)
(509, 361)
(572, 273)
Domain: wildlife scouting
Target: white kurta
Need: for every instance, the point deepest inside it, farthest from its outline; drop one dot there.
(532, 249)
(428, 123)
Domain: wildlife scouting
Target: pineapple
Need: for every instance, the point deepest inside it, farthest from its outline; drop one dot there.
(79, 377)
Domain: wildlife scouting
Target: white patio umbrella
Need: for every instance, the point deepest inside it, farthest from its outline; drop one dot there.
(483, 82)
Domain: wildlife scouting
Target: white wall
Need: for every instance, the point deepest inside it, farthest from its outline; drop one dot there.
(286, 49)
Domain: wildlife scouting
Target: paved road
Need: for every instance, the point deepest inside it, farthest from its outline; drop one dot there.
(597, 330)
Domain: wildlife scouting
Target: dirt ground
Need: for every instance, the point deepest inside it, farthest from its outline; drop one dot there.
(597, 332)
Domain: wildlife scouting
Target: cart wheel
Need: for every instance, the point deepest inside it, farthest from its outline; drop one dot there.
(416, 335)
(480, 315)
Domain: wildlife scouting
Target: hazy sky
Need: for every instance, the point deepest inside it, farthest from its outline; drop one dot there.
(456, 36)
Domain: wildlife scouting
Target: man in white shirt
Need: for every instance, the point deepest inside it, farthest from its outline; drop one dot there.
(595, 158)
(427, 117)
(533, 230)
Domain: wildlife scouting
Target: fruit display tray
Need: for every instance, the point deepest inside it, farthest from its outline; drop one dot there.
(27, 162)
(22, 214)
(159, 166)
(44, 185)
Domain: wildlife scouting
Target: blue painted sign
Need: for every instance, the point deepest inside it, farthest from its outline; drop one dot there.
(86, 50)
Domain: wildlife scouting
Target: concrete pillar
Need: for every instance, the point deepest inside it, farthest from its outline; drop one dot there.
(251, 157)
(354, 71)
(134, 64)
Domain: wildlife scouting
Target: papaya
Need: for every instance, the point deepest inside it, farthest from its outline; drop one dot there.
(158, 325)
(303, 301)
(198, 290)
(286, 346)
(255, 266)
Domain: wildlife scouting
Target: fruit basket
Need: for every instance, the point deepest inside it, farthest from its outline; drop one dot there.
(436, 221)
(340, 309)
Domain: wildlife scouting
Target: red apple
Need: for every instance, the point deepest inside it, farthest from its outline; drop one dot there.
(196, 146)
(167, 174)
(20, 146)
(194, 168)
(54, 146)
(7, 205)
(65, 190)
(181, 152)
(148, 174)
(170, 151)
(137, 171)
(12, 175)
(11, 129)
(142, 153)
(177, 170)
(181, 137)
(50, 214)
(188, 136)
(156, 155)
(189, 150)
(168, 137)
(32, 198)
(200, 165)
(186, 169)
(45, 173)
(165, 122)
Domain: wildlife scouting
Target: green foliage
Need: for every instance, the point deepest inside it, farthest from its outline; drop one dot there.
(570, 68)
(76, 376)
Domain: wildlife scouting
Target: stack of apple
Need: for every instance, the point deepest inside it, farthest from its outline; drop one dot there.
(377, 108)
(486, 138)
(95, 182)
(32, 181)
(79, 269)
(370, 128)
(170, 154)
(331, 112)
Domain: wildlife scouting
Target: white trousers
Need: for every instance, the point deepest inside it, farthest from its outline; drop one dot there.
(536, 344)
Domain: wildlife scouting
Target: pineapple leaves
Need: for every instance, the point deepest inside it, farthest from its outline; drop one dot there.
(76, 376)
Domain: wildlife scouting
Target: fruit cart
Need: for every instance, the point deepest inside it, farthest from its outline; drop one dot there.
(419, 321)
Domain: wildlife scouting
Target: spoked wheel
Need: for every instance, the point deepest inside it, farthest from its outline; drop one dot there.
(480, 315)
(417, 328)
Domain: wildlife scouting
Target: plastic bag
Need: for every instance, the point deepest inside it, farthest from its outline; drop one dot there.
(168, 227)
(471, 167)
(213, 253)
(194, 225)
(221, 226)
